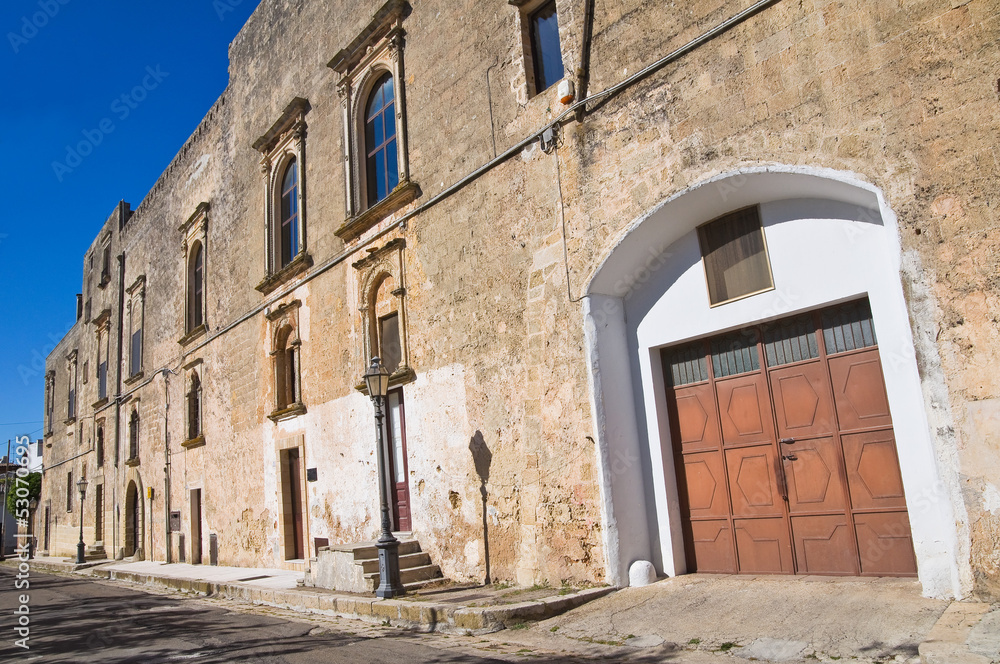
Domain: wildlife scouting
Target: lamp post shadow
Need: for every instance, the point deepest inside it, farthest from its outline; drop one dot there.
(482, 458)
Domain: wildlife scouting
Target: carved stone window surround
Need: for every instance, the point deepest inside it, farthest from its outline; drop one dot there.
(386, 261)
(194, 233)
(377, 50)
(283, 142)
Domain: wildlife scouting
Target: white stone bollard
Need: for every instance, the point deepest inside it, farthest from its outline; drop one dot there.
(641, 573)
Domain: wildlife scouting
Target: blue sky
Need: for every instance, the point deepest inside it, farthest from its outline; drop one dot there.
(128, 80)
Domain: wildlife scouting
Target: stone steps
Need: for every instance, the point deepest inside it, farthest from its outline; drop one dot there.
(354, 567)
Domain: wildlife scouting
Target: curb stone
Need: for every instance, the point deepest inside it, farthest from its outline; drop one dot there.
(421, 616)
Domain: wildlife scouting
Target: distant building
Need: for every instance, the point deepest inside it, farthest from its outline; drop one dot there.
(720, 299)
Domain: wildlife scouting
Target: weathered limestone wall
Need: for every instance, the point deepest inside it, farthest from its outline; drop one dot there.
(903, 97)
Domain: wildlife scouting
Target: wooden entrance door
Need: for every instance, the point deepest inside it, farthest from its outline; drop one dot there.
(292, 499)
(133, 509)
(99, 513)
(395, 439)
(195, 526)
(785, 451)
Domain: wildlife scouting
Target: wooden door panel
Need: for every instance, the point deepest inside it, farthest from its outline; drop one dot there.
(762, 546)
(873, 470)
(802, 405)
(813, 475)
(753, 482)
(713, 547)
(696, 425)
(745, 410)
(859, 391)
(703, 485)
(884, 544)
(823, 545)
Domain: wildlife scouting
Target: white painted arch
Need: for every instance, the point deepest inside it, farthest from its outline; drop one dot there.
(831, 237)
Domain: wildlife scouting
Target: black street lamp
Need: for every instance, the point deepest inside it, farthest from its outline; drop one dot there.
(377, 379)
(82, 486)
(32, 506)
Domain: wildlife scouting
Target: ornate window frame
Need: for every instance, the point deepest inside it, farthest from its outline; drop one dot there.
(194, 370)
(72, 391)
(377, 50)
(134, 430)
(135, 314)
(102, 329)
(50, 397)
(194, 234)
(283, 142)
(386, 261)
(286, 344)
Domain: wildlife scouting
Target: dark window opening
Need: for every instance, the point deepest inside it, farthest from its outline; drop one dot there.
(285, 371)
(102, 380)
(133, 436)
(390, 350)
(69, 491)
(100, 446)
(196, 296)
(194, 408)
(106, 265)
(135, 360)
(546, 56)
(382, 168)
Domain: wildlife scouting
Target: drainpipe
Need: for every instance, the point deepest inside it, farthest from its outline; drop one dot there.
(583, 73)
(168, 536)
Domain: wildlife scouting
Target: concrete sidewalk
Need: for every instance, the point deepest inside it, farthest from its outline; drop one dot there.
(692, 618)
(702, 617)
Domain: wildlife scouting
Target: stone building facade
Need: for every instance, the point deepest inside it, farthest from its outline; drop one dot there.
(586, 371)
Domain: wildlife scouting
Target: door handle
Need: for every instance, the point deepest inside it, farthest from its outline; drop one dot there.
(790, 457)
(786, 441)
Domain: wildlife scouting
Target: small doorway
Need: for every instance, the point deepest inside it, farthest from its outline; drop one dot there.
(46, 531)
(195, 526)
(394, 436)
(133, 519)
(291, 496)
(99, 514)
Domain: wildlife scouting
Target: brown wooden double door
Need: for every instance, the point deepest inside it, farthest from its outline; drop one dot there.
(784, 450)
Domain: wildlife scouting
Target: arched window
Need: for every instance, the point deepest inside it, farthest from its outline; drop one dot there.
(194, 407)
(196, 288)
(133, 435)
(382, 168)
(288, 240)
(100, 446)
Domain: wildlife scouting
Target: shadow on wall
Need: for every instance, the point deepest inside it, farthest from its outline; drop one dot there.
(482, 457)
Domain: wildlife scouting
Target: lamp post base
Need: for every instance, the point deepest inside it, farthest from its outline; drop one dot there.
(80, 552)
(388, 569)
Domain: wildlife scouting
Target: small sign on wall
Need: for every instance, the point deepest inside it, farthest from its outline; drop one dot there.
(311, 475)
(175, 521)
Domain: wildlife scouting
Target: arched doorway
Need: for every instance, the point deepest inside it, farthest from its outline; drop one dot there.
(831, 239)
(133, 521)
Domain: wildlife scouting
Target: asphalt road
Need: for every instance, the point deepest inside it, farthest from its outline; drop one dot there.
(80, 620)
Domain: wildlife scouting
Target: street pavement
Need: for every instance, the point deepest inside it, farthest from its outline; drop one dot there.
(80, 620)
(693, 619)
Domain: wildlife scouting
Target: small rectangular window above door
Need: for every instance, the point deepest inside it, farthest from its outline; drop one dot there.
(389, 346)
(734, 253)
